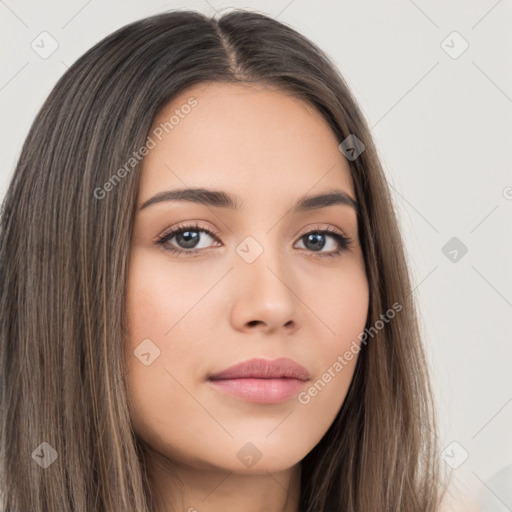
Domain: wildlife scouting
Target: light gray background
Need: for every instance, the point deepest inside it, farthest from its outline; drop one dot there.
(442, 126)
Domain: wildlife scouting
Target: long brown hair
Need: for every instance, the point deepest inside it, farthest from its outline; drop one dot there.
(64, 259)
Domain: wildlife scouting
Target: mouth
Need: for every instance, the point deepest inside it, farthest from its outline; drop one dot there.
(261, 381)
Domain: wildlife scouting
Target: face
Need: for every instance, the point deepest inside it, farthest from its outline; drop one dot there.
(246, 273)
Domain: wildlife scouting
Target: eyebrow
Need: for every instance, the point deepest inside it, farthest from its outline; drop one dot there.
(222, 199)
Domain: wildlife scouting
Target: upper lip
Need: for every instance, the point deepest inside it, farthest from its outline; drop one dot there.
(282, 367)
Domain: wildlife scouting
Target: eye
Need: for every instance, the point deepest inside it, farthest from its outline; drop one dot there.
(188, 236)
(316, 241)
(193, 238)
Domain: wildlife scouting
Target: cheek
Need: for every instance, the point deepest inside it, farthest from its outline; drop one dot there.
(351, 311)
(342, 307)
(164, 342)
(159, 298)
(341, 304)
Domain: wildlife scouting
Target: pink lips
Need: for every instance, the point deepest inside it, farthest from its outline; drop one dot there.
(262, 381)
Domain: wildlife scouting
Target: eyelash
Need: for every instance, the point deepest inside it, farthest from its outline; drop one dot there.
(342, 240)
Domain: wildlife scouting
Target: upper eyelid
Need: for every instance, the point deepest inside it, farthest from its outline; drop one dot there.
(316, 226)
(191, 226)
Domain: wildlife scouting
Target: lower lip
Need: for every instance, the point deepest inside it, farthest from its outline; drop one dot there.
(261, 391)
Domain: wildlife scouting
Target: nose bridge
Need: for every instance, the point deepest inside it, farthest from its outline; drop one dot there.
(261, 257)
(263, 284)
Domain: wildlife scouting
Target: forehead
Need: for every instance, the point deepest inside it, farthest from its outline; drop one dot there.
(243, 138)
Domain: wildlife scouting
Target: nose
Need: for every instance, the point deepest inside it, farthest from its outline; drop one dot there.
(266, 295)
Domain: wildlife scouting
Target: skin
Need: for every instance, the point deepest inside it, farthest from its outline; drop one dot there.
(208, 311)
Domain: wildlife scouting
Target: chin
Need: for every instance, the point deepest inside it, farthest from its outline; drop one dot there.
(262, 457)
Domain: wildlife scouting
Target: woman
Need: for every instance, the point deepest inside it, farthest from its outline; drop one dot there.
(205, 301)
